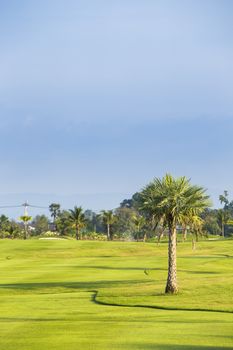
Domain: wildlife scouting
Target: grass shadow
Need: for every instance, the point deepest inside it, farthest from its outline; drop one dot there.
(179, 347)
(121, 268)
(71, 285)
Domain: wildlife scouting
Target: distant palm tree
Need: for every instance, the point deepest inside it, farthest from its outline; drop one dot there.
(77, 220)
(195, 226)
(173, 199)
(185, 225)
(139, 221)
(223, 216)
(108, 218)
(25, 219)
(161, 229)
(55, 210)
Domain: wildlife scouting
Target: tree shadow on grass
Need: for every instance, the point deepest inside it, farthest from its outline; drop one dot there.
(29, 319)
(143, 269)
(95, 300)
(200, 272)
(71, 285)
(120, 268)
(179, 347)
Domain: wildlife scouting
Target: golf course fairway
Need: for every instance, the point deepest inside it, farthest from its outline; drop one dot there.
(67, 294)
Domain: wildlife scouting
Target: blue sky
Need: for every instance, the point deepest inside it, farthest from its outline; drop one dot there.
(98, 97)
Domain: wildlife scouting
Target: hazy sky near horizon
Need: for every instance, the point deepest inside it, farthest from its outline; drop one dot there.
(98, 97)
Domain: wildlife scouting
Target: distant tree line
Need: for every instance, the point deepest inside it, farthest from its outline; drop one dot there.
(131, 221)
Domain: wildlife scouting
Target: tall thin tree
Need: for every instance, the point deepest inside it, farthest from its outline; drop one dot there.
(172, 199)
(108, 218)
(25, 219)
(55, 210)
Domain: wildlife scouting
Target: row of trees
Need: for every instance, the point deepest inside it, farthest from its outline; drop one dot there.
(130, 221)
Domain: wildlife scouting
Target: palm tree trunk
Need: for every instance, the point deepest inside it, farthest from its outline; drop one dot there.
(108, 232)
(184, 233)
(54, 224)
(25, 231)
(172, 286)
(223, 229)
(193, 244)
(160, 235)
(137, 235)
(77, 232)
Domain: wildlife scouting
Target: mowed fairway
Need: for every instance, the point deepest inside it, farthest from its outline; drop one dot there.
(54, 295)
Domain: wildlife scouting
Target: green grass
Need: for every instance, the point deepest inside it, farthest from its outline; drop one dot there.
(53, 295)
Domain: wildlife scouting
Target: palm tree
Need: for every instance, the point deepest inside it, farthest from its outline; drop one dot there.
(139, 222)
(77, 219)
(25, 219)
(161, 229)
(185, 226)
(195, 225)
(108, 218)
(172, 199)
(223, 216)
(55, 210)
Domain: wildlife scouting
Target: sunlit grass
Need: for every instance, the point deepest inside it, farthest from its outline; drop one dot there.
(47, 290)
